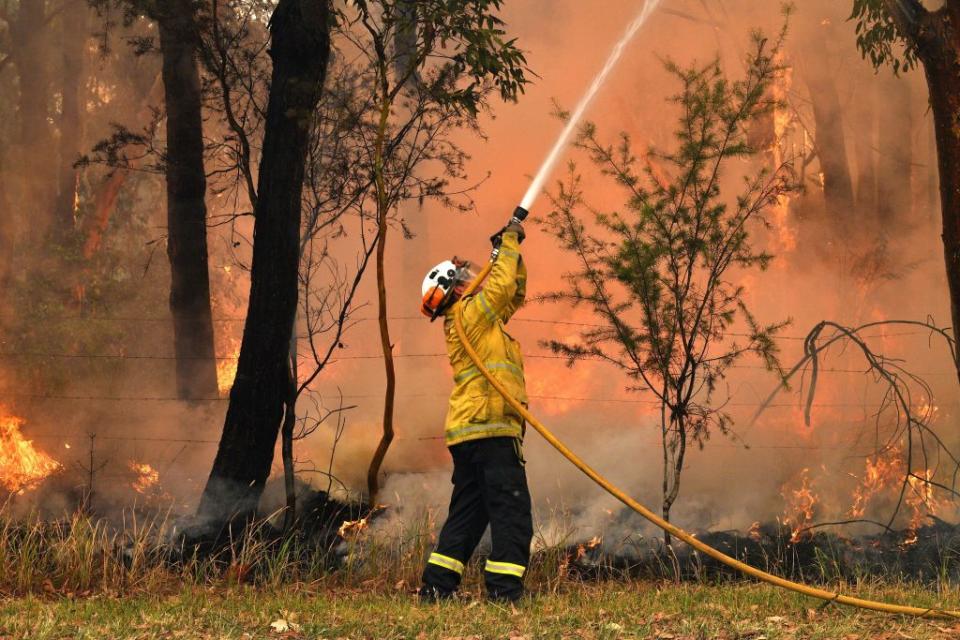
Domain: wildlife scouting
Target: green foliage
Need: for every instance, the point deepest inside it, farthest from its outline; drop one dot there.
(463, 43)
(880, 38)
(658, 274)
(70, 307)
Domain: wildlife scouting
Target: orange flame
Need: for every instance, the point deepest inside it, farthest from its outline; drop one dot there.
(589, 545)
(352, 528)
(356, 528)
(227, 371)
(881, 472)
(921, 501)
(884, 473)
(798, 513)
(22, 467)
(148, 478)
(783, 120)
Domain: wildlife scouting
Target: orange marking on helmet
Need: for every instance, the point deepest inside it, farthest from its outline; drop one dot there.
(432, 300)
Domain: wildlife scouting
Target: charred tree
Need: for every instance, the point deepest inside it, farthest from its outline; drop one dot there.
(73, 37)
(940, 52)
(36, 146)
(829, 139)
(895, 163)
(865, 148)
(186, 206)
(300, 37)
(6, 232)
(933, 174)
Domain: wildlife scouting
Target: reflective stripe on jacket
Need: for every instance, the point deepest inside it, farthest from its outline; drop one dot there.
(476, 409)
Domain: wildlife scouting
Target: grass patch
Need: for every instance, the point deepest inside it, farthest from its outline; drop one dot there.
(604, 610)
(83, 577)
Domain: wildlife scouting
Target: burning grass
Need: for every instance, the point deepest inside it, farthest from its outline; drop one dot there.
(122, 580)
(83, 555)
(22, 465)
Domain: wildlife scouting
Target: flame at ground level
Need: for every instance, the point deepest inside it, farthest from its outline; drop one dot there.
(22, 467)
(800, 503)
(148, 478)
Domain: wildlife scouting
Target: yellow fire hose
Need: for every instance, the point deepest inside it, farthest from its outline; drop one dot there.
(673, 530)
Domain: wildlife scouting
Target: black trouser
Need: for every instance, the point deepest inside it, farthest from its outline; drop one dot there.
(489, 486)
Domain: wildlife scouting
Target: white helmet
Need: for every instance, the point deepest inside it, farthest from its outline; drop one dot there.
(438, 286)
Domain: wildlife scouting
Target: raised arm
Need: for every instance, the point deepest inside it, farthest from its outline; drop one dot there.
(499, 297)
(517, 301)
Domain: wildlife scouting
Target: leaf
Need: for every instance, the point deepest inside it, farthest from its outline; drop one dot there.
(284, 625)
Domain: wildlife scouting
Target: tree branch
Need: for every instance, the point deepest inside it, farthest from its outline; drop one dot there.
(907, 15)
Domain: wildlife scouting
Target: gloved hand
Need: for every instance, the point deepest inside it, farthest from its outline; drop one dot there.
(515, 227)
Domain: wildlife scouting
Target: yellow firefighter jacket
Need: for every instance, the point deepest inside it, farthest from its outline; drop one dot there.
(476, 409)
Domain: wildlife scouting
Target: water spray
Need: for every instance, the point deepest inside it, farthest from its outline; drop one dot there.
(519, 214)
(577, 114)
(546, 168)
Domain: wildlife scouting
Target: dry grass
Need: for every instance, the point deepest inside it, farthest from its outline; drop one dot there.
(84, 556)
(81, 578)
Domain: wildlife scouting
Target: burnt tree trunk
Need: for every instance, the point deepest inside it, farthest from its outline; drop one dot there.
(943, 79)
(865, 114)
(36, 145)
(7, 226)
(300, 36)
(186, 206)
(829, 139)
(74, 36)
(933, 174)
(895, 164)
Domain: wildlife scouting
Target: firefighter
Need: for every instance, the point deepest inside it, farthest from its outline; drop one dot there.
(483, 433)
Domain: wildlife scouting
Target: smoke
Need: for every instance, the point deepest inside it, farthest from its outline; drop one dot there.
(866, 267)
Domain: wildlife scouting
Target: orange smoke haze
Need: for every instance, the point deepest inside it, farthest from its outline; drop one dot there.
(776, 467)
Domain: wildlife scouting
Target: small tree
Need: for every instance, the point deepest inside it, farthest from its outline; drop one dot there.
(658, 276)
(446, 58)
